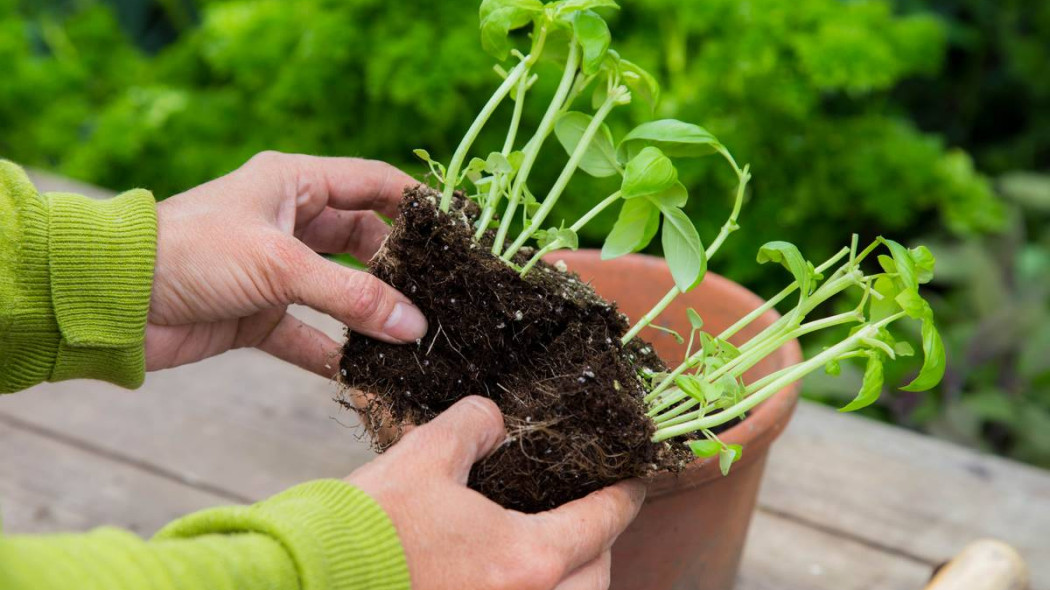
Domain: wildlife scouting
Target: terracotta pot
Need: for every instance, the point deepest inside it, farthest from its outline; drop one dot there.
(691, 531)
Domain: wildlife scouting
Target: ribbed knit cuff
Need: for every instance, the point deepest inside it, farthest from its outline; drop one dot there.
(339, 538)
(101, 256)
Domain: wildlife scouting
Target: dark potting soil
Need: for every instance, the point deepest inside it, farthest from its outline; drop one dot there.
(545, 348)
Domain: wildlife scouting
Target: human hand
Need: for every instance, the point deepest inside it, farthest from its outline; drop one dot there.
(232, 254)
(455, 538)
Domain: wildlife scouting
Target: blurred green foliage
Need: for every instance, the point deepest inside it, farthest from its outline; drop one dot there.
(856, 116)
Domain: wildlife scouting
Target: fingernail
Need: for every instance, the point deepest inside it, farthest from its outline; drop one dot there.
(406, 323)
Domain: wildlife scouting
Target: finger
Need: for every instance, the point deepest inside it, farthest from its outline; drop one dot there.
(458, 438)
(581, 530)
(303, 345)
(359, 300)
(351, 184)
(596, 575)
(359, 233)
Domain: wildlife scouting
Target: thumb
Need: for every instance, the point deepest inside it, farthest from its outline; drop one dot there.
(457, 439)
(359, 300)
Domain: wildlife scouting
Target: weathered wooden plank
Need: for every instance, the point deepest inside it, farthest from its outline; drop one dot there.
(785, 555)
(49, 486)
(896, 489)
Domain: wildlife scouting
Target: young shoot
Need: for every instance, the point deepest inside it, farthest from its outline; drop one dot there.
(706, 390)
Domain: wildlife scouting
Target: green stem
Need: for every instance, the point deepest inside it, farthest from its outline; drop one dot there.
(768, 305)
(460, 155)
(532, 148)
(786, 378)
(649, 317)
(490, 208)
(834, 286)
(740, 365)
(567, 173)
(730, 226)
(498, 183)
(576, 227)
(595, 211)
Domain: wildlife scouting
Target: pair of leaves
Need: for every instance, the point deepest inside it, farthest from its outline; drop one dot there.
(650, 187)
(637, 226)
(727, 454)
(650, 174)
(436, 168)
(500, 17)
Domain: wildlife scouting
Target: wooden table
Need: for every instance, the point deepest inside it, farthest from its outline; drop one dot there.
(847, 503)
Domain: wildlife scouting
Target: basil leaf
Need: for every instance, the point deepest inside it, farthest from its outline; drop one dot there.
(592, 33)
(497, 163)
(682, 249)
(676, 138)
(568, 239)
(871, 387)
(790, 258)
(904, 264)
(574, 5)
(691, 386)
(704, 448)
(728, 455)
(648, 173)
(924, 264)
(676, 196)
(934, 361)
(695, 320)
(600, 158)
(887, 306)
(500, 17)
(637, 225)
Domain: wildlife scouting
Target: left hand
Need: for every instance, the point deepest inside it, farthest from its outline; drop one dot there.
(234, 253)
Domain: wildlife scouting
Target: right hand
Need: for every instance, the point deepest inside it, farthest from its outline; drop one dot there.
(234, 253)
(455, 538)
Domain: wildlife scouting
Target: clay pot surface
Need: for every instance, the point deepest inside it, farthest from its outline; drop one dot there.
(691, 531)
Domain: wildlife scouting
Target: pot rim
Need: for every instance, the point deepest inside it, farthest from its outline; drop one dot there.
(758, 430)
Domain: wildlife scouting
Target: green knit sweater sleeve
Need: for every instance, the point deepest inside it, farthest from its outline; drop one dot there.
(323, 535)
(75, 281)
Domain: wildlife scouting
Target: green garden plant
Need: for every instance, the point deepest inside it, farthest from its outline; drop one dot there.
(479, 197)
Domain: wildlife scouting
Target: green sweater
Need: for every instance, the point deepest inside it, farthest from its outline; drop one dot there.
(75, 281)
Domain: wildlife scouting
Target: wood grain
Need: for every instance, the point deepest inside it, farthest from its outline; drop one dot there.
(49, 486)
(784, 555)
(906, 492)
